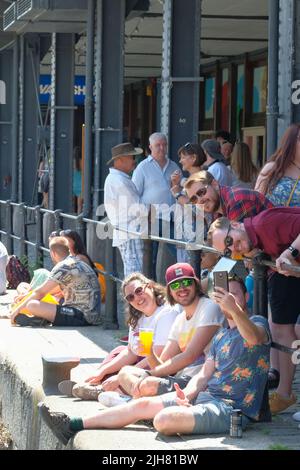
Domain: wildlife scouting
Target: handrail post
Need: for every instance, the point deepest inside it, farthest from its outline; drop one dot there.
(260, 293)
(111, 288)
(147, 258)
(56, 215)
(9, 240)
(80, 228)
(21, 210)
(38, 237)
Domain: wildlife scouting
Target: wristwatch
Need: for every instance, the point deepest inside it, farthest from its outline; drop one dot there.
(177, 195)
(294, 252)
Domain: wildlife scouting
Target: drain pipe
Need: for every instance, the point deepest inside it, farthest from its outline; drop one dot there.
(273, 49)
(88, 145)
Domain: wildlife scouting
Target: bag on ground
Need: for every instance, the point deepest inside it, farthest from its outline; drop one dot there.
(16, 272)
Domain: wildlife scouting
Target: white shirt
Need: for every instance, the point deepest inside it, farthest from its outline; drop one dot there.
(153, 184)
(207, 313)
(221, 173)
(121, 201)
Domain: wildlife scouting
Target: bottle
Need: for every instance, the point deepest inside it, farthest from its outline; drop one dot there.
(236, 429)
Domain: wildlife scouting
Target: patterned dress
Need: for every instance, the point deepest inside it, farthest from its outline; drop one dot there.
(281, 193)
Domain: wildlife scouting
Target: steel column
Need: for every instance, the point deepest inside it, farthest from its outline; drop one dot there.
(272, 108)
(286, 61)
(88, 147)
(6, 116)
(109, 90)
(181, 72)
(14, 131)
(29, 121)
(62, 122)
(97, 115)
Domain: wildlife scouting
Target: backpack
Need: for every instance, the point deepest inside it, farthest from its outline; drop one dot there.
(16, 272)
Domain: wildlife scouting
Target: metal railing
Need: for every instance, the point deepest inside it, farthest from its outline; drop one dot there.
(34, 216)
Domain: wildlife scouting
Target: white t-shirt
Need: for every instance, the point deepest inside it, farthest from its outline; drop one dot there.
(161, 322)
(207, 313)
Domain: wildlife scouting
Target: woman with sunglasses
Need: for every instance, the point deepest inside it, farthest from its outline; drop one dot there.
(147, 309)
(191, 158)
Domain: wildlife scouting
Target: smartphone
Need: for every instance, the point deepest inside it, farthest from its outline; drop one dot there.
(221, 279)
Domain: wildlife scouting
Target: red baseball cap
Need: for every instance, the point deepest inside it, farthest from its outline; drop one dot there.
(180, 271)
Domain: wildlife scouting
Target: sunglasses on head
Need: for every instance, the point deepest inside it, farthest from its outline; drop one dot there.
(188, 147)
(137, 292)
(182, 283)
(228, 241)
(200, 193)
(65, 233)
(55, 233)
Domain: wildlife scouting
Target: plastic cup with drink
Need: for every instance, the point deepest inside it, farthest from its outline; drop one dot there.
(145, 338)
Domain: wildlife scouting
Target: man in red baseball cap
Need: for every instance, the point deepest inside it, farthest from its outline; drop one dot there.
(189, 338)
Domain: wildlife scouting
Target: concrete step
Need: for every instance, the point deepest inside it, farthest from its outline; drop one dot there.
(21, 377)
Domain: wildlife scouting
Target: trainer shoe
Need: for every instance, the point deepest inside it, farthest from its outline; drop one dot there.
(279, 403)
(296, 416)
(25, 320)
(111, 399)
(66, 387)
(59, 423)
(86, 391)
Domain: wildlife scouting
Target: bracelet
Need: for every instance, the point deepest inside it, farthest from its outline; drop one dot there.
(148, 372)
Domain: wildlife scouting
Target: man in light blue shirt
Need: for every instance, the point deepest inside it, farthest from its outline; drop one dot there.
(152, 178)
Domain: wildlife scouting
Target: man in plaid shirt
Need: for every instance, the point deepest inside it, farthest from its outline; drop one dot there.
(233, 203)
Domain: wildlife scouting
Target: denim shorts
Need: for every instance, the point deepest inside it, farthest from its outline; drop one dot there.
(212, 416)
(69, 316)
(166, 384)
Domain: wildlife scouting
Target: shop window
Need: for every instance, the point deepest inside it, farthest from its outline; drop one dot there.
(259, 94)
(209, 100)
(225, 100)
(240, 86)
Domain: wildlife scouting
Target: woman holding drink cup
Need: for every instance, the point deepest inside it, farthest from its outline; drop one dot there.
(150, 319)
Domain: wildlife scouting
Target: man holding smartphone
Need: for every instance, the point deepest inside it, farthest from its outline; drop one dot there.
(276, 232)
(233, 376)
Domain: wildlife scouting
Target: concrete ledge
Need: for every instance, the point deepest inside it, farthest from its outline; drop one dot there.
(21, 390)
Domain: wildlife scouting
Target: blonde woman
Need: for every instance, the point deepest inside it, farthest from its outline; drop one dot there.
(242, 167)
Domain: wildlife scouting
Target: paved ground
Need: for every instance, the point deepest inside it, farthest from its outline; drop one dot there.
(21, 376)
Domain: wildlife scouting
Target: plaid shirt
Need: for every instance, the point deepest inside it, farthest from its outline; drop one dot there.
(239, 203)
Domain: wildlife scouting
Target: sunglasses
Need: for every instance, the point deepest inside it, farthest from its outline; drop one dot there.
(188, 147)
(137, 292)
(228, 241)
(183, 283)
(198, 195)
(65, 233)
(55, 233)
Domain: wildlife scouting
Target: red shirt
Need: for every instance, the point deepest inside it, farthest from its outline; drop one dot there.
(274, 230)
(239, 203)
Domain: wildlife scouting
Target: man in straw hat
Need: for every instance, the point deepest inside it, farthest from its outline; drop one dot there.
(122, 204)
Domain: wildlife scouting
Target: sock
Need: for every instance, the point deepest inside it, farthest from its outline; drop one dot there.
(76, 424)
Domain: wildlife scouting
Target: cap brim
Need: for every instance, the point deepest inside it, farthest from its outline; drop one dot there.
(182, 277)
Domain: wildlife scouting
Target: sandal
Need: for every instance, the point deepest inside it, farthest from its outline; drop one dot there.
(273, 378)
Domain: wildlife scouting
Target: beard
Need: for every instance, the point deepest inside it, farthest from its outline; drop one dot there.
(186, 301)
